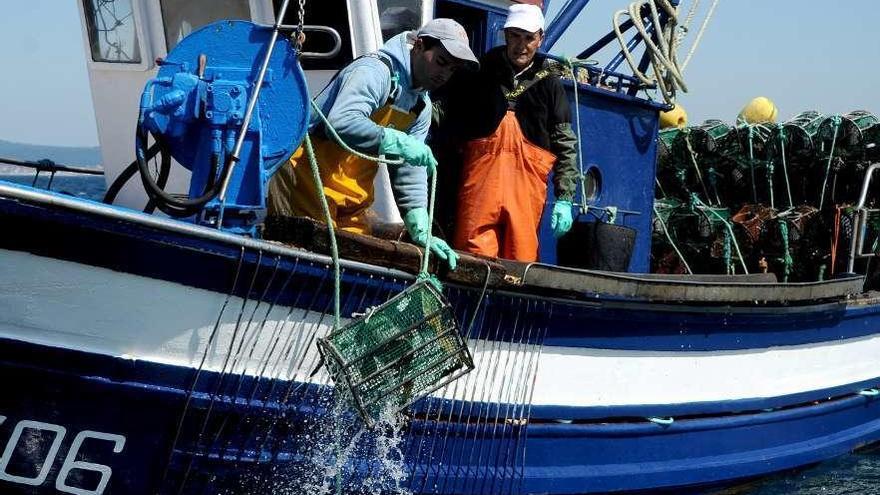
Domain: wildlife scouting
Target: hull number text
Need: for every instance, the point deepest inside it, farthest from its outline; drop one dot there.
(70, 462)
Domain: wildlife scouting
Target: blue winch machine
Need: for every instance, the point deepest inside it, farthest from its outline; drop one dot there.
(230, 104)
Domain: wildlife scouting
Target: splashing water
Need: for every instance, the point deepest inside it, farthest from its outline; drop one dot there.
(337, 454)
(391, 472)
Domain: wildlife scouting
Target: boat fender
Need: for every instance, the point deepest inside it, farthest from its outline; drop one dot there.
(760, 110)
(675, 118)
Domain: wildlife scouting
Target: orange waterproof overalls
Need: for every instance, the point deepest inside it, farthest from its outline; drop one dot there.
(504, 186)
(347, 179)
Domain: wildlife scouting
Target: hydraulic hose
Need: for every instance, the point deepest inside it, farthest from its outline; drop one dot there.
(161, 180)
(164, 201)
(127, 174)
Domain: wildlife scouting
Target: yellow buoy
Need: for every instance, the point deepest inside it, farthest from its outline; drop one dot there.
(676, 117)
(758, 111)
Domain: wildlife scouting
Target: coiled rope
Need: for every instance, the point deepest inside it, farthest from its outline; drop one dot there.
(667, 71)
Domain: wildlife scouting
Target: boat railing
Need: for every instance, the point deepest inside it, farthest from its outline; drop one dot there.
(857, 251)
(51, 167)
(599, 77)
(291, 29)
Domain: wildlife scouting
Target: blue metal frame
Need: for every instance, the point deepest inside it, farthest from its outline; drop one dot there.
(557, 27)
(198, 109)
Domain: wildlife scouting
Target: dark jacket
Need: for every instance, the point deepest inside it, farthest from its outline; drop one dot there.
(473, 104)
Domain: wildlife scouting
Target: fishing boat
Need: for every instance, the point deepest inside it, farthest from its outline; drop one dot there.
(143, 353)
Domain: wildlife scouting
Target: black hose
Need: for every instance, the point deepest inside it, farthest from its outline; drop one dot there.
(161, 181)
(164, 201)
(126, 175)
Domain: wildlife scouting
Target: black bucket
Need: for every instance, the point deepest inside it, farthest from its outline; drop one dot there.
(596, 246)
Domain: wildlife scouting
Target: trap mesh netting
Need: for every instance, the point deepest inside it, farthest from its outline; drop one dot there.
(399, 352)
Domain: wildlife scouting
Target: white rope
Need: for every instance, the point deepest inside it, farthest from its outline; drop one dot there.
(663, 62)
(699, 35)
(666, 71)
(690, 18)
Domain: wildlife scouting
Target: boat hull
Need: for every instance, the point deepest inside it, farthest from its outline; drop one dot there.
(142, 355)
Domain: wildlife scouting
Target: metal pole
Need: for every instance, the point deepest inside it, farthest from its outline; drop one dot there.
(861, 217)
(864, 194)
(562, 21)
(248, 114)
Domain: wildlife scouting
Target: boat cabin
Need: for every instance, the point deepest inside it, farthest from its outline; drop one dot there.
(618, 129)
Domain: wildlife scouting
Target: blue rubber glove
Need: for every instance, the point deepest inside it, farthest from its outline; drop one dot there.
(413, 151)
(417, 224)
(561, 220)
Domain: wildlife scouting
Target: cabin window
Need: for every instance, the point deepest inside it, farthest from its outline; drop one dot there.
(181, 17)
(396, 16)
(112, 34)
(330, 13)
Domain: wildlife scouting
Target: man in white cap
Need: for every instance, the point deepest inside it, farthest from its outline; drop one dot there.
(515, 118)
(378, 104)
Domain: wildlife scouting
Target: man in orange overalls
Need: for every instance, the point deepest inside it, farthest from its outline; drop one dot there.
(505, 170)
(378, 104)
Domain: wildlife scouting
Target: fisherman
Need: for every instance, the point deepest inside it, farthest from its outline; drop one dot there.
(378, 104)
(515, 115)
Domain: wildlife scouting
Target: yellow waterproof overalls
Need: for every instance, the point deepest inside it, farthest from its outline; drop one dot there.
(347, 179)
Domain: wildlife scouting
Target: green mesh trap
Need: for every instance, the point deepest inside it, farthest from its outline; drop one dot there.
(397, 353)
(715, 137)
(799, 133)
(846, 133)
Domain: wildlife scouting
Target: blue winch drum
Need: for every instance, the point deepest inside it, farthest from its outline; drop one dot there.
(234, 52)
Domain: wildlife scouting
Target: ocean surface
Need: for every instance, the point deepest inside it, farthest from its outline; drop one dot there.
(83, 186)
(854, 474)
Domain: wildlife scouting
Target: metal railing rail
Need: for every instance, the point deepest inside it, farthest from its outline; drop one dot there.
(861, 220)
(49, 166)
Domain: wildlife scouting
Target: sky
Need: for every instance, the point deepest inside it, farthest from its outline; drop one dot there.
(44, 85)
(802, 54)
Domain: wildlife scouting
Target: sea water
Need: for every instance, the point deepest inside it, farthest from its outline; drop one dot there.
(854, 474)
(82, 186)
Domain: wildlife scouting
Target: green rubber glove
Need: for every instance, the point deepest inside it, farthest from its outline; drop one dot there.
(417, 224)
(413, 151)
(561, 220)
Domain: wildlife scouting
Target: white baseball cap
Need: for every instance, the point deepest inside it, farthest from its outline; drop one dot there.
(525, 16)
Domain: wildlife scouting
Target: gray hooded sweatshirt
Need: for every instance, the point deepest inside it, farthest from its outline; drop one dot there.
(363, 87)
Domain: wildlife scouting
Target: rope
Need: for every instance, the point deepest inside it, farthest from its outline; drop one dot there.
(334, 251)
(835, 239)
(728, 256)
(687, 22)
(787, 260)
(785, 165)
(433, 194)
(836, 122)
(671, 242)
(752, 163)
(687, 141)
(316, 173)
(338, 140)
(696, 200)
(664, 63)
(699, 35)
(577, 120)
